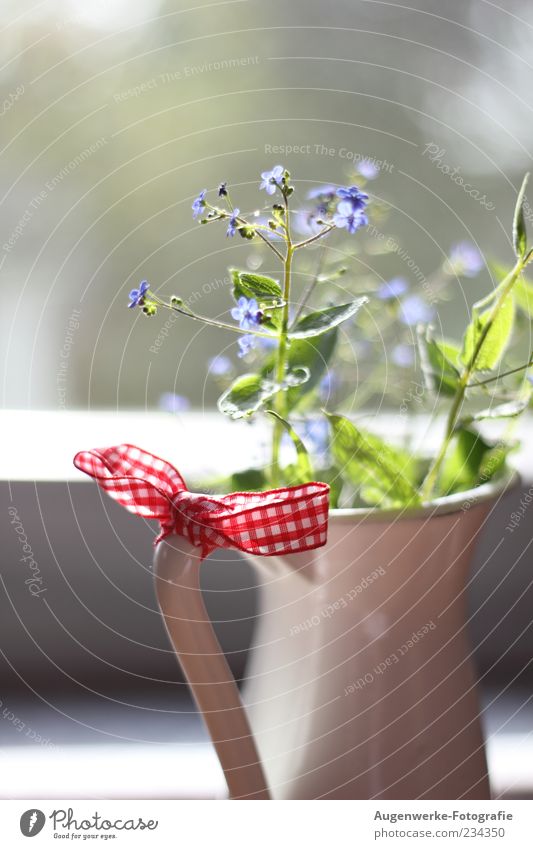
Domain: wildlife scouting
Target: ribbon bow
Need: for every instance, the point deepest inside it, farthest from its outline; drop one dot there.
(280, 521)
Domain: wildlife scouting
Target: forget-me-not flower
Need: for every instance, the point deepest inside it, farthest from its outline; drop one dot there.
(219, 365)
(233, 223)
(465, 260)
(392, 288)
(348, 217)
(414, 310)
(198, 203)
(246, 344)
(172, 403)
(367, 169)
(354, 195)
(403, 355)
(137, 295)
(271, 179)
(247, 313)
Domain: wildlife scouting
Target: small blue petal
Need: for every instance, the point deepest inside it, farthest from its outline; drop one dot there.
(367, 169)
(246, 344)
(321, 191)
(137, 295)
(414, 310)
(172, 403)
(392, 289)
(465, 260)
(233, 223)
(219, 365)
(403, 355)
(198, 203)
(270, 179)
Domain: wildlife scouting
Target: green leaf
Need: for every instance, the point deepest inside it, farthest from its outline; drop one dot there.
(438, 361)
(495, 459)
(496, 339)
(254, 286)
(302, 471)
(383, 473)
(522, 289)
(519, 223)
(312, 355)
(470, 461)
(523, 292)
(507, 410)
(246, 395)
(316, 323)
(332, 476)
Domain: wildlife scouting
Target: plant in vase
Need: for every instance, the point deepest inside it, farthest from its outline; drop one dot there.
(360, 682)
(293, 347)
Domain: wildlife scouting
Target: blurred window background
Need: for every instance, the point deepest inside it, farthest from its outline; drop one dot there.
(115, 115)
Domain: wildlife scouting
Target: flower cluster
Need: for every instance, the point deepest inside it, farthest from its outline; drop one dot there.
(342, 207)
(249, 316)
(351, 209)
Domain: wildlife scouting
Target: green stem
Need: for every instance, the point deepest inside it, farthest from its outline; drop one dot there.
(327, 229)
(431, 478)
(503, 374)
(269, 243)
(281, 362)
(243, 221)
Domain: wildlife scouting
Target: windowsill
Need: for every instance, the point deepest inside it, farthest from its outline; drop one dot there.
(189, 768)
(42, 443)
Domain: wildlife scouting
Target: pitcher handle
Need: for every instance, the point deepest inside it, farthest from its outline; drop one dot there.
(177, 584)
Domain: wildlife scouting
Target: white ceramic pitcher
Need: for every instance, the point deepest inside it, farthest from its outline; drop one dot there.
(360, 683)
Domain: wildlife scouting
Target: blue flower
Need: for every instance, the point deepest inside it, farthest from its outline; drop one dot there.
(392, 289)
(137, 295)
(219, 365)
(267, 344)
(246, 344)
(415, 310)
(403, 355)
(233, 223)
(198, 203)
(355, 196)
(465, 260)
(350, 211)
(367, 169)
(305, 222)
(271, 179)
(315, 436)
(222, 190)
(316, 433)
(348, 217)
(172, 403)
(247, 313)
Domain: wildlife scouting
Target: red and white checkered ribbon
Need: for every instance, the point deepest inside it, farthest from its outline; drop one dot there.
(280, 521)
